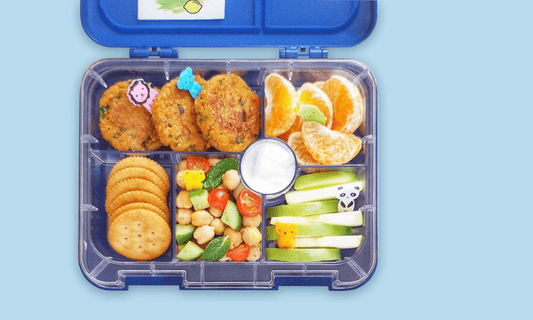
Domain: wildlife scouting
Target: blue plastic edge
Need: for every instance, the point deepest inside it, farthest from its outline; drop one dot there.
(100, 25)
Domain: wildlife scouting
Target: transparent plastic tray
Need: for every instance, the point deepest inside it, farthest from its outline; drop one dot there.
(106, 269)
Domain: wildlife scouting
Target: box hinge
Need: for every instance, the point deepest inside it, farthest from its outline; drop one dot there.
(303, 52)
(154, 52)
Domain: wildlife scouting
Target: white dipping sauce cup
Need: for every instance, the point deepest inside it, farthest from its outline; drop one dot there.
(268, 167)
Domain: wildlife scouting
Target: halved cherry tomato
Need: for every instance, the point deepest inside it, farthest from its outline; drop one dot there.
(218, 198)
(239, 253)
(249, 203)
(198, 163)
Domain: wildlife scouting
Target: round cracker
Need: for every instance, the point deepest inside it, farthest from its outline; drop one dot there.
(146, 163)
(135, 172)
(131, 185)
(137, 196)
(140, 235)
(138, 205)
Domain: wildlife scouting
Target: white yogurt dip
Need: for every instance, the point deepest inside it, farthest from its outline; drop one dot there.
(268, 166)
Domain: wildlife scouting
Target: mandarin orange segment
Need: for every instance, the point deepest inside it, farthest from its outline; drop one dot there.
(348, 104)
(296, 127)
(280, 105)
(328, 146)
(311, 94)
(303, 157)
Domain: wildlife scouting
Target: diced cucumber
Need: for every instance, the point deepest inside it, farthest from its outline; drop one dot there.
(303, 209)
(303, 255)
(318, 194)
(349, 219)
(341, 242)
(190, 252)
(199, 199)
(312, 230)
(184, 233)
(231, 216)
(324, 179)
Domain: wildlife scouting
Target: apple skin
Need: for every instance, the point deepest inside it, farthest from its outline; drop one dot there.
(312, 230)
(324, 179)
(303, 209)
(303, 255)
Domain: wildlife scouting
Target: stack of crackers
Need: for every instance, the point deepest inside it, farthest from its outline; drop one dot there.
(137, 210)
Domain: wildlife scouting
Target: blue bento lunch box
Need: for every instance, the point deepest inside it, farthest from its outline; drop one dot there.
(302, 30)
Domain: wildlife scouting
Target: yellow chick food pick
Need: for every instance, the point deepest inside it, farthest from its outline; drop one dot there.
(193, 179)
(286, 233)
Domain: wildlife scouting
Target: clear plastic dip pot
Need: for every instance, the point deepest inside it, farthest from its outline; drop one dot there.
(268, 167)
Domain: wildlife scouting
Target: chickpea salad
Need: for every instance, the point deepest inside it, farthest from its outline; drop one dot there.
(217, 217)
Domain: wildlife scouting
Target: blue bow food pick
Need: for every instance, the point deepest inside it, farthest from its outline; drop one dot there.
(186, 82)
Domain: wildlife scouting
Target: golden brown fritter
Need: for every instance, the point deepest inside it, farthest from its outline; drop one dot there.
(229, 113)
(175, 118)
(124, 125)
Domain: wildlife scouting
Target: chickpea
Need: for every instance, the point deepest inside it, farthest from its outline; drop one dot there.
(234, 236)
(251, 221)
(179, 179)
(222, 187)
(201, 218)
(183, 216)
(224, 258)
(238, 190)
(255, 253)
(231, 179)
(251, 236)
(182, 165)
(219, 226)
(213, 161)
(183, 200)
(215, 212)
(204, 234)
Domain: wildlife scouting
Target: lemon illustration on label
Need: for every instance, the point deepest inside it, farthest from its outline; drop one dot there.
(192, 6)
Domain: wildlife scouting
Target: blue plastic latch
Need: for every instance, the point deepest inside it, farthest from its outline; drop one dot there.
(303, 52)
(153, 52)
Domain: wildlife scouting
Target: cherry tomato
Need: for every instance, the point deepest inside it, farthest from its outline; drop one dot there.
(239, 253)
(198, 163)
(218, 198)
(249, 203)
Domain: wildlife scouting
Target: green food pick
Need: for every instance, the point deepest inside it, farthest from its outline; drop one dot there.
(311, 113)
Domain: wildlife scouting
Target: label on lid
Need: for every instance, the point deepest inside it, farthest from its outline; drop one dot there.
(181, 9)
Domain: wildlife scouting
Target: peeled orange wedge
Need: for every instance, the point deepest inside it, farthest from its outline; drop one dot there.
(280, 105)
(296, 127)
(327, 146)
(319, 84)
(309, 94)
(348, 104)
(303, 157)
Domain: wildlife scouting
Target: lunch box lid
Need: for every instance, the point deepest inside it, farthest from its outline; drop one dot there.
(298, 27)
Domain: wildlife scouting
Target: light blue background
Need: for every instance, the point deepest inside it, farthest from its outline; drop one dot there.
(455, 83)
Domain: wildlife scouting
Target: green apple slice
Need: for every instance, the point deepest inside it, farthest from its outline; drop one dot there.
(349, 219)
(312, 230)
(324, 179)
(303, 255)
(318, 194)
(341, 242)
(190, 252)
(184, 233)
(303, 209)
